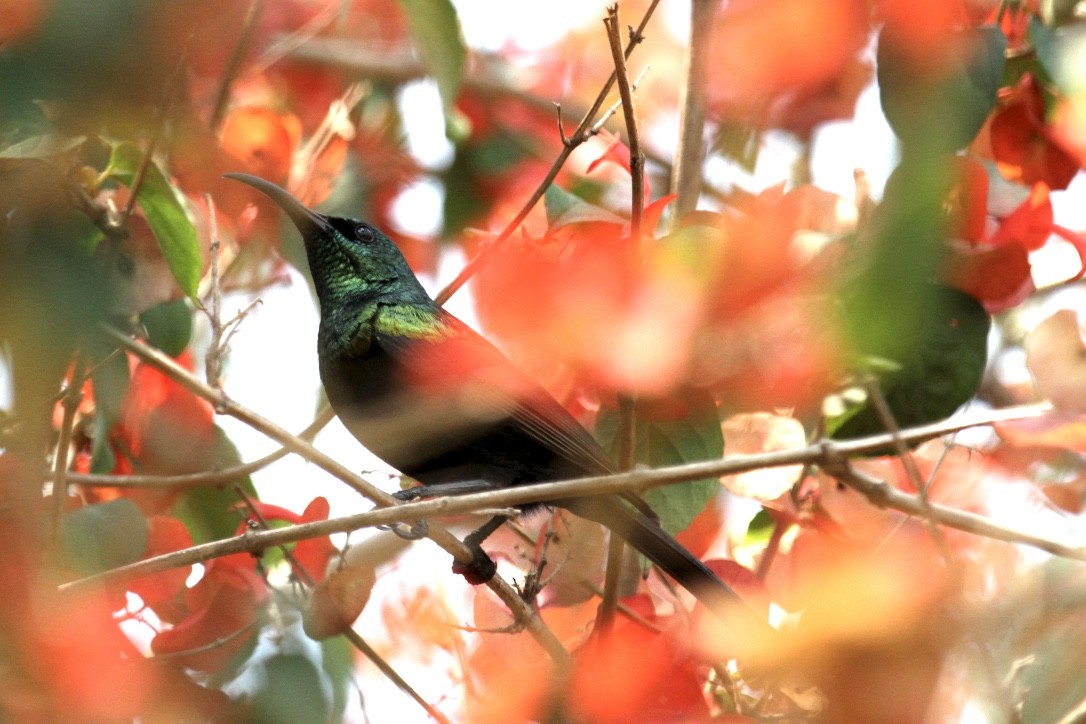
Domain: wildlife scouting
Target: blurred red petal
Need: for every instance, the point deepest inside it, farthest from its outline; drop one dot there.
(165, 534)
(263, 139)
(999, 277)
(1024, 147)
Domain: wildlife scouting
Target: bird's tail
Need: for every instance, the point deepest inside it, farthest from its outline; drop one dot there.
(652, 541)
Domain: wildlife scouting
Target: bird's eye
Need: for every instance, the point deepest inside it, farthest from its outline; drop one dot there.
(363, 233)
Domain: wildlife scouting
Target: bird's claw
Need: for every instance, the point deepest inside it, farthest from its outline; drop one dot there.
(416, 532)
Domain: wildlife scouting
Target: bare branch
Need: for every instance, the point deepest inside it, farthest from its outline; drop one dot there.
(637, 159)
(233, 65)
(686, 168)
(173, 88)
(72, 398)
(210, 478)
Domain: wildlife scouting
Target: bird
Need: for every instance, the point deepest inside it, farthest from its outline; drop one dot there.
(439, 403)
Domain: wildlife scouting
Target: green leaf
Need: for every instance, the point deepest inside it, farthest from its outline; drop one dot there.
(564, 208)
(165, 215)
(103, 536)
(1047, 46)
(694, 437)
(435, 28)
(291, 692)
(337, 662)
(760, 528)
(942, 112)
(43, 146)
(169, 326)
(206, 511)
(740, 143)
(110, 383)
(939, 369)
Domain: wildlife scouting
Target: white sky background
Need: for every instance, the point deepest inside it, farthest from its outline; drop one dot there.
(272, 367)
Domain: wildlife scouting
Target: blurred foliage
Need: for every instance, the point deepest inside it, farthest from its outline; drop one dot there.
(117, 120)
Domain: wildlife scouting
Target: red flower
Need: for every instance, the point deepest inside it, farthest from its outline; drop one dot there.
(222, 610)
(994, 268)
(311, 555)
(165, 534)
(1024, 146)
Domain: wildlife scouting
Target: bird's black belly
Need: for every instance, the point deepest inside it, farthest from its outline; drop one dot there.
(426, 437)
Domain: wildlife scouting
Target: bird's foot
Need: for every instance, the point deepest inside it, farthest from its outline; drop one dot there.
(480, 569)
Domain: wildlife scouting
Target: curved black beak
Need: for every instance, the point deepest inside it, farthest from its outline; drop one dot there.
(309, 222)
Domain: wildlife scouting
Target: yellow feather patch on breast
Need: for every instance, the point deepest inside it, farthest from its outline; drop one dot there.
(408, 320)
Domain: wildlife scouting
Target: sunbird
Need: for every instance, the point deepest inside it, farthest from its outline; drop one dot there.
(435, 400)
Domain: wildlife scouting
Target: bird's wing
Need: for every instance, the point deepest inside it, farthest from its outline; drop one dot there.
(453, 361)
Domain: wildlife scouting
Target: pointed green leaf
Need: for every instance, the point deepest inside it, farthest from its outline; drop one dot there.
(564, 208)
(760, 528)
(435, 28)
(739, 142)
(165, 215)
(103, 536)
(694, 437)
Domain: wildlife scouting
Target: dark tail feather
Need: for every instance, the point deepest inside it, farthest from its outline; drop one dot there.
(654, 543)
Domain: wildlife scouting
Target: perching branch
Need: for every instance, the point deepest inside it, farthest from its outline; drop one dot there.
(438, 534)
(832, 456)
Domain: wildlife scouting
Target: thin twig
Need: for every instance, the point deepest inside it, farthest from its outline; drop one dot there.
(203, 648)
(689, 153)
(213, 363)
(610, 112)
(886, 416)
(399, 68)
(207, 479)
(370, 653)
(290, 42)
(70, 403)
(579, 136)
(627, 429)
(637, 159)
(605, 617)
(438, 534)
(233, 65)
(885, 496)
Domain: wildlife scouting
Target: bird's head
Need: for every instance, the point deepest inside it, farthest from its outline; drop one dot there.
(349, 259)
